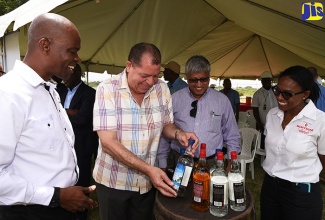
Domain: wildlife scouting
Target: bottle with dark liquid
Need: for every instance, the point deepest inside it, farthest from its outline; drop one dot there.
(183, 171)
(201, 183)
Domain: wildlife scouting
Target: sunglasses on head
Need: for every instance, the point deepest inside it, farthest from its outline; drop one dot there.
(194, 109)
(285, 95)
(202, 80)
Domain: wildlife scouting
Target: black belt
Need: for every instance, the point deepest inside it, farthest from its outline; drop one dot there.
(306, 187)
(207, 158)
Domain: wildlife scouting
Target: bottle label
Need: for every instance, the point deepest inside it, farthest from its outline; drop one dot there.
(197, 191)
(219, 195)
(239, 193)
(186, 176)
(178, 175)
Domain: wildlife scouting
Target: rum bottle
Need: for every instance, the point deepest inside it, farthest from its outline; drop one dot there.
(236, 180)
(214, 166)
(219, 189)
(183, 171)
(201, 183)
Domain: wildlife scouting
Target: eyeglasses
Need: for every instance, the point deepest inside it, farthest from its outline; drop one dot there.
(194, 109)
(285, 95)
(202, 80)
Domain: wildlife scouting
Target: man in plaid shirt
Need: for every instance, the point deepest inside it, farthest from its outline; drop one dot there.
(131, 112)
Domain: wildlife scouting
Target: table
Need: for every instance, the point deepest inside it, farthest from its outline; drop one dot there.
(243, 107)
(180, 209)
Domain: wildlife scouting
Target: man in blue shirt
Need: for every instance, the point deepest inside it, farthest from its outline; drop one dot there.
(202, 110)
(171, 74)
(232, 95)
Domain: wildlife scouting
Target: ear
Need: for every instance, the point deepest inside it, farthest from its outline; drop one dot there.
(306, 94)
(128, 66)
(44, 45)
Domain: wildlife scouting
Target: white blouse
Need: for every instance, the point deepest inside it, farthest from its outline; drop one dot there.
(292, 153)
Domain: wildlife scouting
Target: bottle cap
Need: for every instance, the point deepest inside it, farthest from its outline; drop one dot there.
(220, 155)
(233, 155)
(202, 153)
(203, 146)
(182, 151)
(191, 142)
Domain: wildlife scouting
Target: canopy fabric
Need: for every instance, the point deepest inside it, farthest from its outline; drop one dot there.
(240, 38)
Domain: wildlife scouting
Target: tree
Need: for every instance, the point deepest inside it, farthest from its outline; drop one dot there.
(9, 5)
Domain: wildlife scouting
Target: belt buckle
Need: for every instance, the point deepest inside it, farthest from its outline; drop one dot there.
(303, 187)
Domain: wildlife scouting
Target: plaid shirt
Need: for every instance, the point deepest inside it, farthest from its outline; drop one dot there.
(138, 129)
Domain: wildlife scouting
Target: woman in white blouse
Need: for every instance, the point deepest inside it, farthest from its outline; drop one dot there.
(295, 150)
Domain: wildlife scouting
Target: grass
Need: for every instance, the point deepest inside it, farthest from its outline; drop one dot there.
(254, 186)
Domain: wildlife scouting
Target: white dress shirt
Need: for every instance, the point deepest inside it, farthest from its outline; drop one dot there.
(36, 140)
(292, 153)
(264, 97)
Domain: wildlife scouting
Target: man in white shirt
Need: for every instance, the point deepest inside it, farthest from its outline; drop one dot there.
(38, 167)
(263, 101)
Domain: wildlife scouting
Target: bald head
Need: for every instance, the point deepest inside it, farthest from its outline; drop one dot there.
(48, 25)
(53, 45)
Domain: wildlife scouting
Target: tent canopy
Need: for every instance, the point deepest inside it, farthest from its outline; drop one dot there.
(240, 38)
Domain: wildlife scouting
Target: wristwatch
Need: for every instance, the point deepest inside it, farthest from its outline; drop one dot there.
(55, 201)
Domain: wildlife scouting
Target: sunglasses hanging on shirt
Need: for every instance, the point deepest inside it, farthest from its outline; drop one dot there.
(194, 109)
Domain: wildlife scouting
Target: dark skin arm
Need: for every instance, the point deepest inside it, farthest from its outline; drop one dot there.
(259, 124)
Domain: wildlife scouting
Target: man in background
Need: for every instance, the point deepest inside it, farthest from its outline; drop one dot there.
(263, 100)
(320, 103)
(171, 74)
(232, 95)
(78, 100)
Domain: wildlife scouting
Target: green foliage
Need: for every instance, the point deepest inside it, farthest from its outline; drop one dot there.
(247, 91)
(9, 5)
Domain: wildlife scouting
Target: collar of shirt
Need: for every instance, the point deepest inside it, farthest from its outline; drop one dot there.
(75, 88)
(32, 77)
(308, 111)
(29, 74)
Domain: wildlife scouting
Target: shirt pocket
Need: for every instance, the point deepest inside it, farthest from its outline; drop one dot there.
(299, 143)
(44, 129)
(213, 123)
